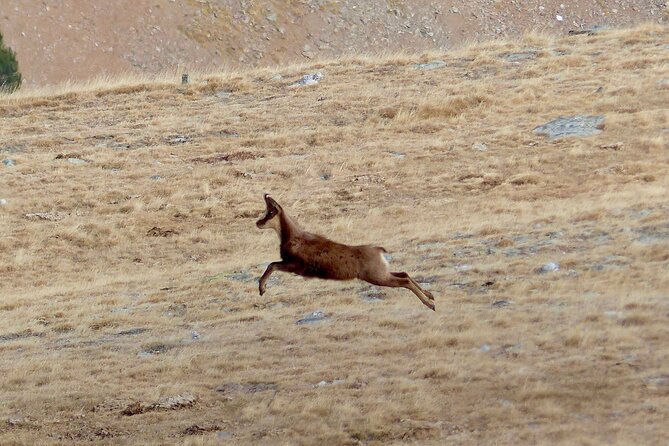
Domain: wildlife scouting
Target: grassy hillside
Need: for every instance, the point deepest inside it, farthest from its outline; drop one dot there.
(129, 257)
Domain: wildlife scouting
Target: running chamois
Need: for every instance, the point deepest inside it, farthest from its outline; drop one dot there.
(311, 255)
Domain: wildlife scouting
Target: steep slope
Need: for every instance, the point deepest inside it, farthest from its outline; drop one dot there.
(78, 39)
(129, 254)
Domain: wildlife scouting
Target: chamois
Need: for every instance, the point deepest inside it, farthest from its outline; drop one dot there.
(311, 255)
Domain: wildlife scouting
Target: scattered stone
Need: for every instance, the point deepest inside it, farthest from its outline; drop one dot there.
(198, 430)
(50, 216)
(559, 18)
(652, 234)
(164, 403)
(520, 56)
(307, 51)
(398, 154)
(132, 332)
(316, 316)
(480, 147)
(372, 294)
(578, 125)
(501, 303)
(213, 278)
(20, 335)
(156, 177)
(548, 268)
(433, 65)
(173, 402)
(224, 435)
(254, 387)
(3, 202)
(17, 421)
(12, 149)
(658, 380)
(8, 162)
(154, 349)
(239, 276)
(158, 232)
(223, 94)
(588, 31)
(194, 335)
(432, 245)
(485, 348)
(613, 146)
(308, 79)
(276, 77)
(77, 161)
(509, 349)
(462, 267)
(227, 157)
(177, 139)
(121, 310)
(177, 310)
(330, 383)
(512, 252)
(71, 158)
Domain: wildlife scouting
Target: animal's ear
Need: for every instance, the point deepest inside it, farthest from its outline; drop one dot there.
(271, 203)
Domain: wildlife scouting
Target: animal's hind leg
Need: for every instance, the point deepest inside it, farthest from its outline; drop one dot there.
(403, 280)
(426, 292)
(422, 290)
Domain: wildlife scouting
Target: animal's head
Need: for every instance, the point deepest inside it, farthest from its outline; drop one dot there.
(271, 219)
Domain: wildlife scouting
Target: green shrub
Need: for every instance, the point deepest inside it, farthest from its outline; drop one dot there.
(10, 78)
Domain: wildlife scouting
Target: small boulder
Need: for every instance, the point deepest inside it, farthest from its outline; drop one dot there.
(312, 318)
(433, 65)
(548, 268)
(565, 126)
(50, 216)
(308, 79)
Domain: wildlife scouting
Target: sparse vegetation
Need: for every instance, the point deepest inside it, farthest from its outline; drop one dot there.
(129, 302)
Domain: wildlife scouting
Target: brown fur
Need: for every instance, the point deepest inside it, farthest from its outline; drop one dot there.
(312, 255)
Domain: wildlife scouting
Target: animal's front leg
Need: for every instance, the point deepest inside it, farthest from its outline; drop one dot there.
(274, 266)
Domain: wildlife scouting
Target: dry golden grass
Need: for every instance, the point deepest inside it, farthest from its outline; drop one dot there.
(580, 356)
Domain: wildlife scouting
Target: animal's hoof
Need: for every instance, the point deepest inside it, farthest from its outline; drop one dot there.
(262, 291)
